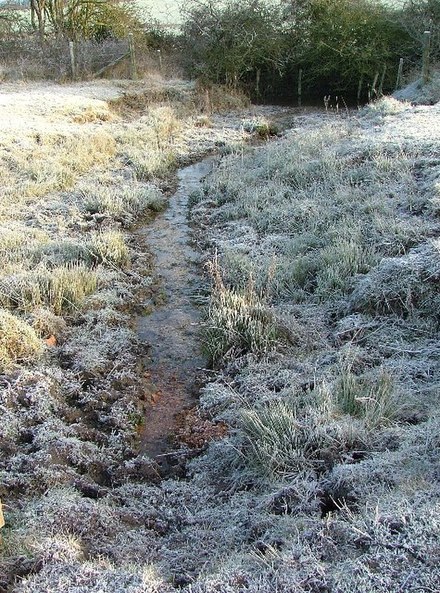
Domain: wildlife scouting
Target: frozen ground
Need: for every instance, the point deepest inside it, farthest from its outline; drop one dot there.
(322, 325)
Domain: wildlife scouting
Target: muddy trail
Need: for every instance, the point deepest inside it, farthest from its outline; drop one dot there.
(171, 328)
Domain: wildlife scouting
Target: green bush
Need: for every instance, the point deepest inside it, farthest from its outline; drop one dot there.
(337, 43)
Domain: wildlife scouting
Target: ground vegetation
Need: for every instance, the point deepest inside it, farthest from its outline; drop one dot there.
(322, 327)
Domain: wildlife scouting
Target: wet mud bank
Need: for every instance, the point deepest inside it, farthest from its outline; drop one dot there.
(170, 325)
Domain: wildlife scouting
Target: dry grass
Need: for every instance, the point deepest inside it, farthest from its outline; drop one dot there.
(109, 247)
(18, 341)
(49, 162)
(61, 289)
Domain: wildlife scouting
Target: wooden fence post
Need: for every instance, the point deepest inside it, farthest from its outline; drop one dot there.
(373, 86)
(399, 75)
(300, 73)
(426, 52)
(359, 93)
(72, 59)
(382, 81)
(257, 83)
(133, 66)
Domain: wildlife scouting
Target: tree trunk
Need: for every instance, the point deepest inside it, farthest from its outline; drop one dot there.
(38, 14)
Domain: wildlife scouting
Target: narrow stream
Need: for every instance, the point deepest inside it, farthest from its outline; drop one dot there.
(171, 330)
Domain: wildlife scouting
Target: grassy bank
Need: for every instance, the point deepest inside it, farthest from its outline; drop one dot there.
(324, 320)
(76, 174)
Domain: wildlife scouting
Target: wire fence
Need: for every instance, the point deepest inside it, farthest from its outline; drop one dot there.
(28, 58)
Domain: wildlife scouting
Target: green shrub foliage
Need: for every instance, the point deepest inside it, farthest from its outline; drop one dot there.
(340, 45)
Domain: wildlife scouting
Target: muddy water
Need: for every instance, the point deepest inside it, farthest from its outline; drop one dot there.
(171, 330)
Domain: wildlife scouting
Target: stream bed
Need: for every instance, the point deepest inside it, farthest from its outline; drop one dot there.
(172, 328)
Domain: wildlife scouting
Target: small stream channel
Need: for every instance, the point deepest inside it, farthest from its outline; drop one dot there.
(171, 330)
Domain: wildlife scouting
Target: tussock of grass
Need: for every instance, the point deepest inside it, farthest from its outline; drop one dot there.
(286, 437)
(18, 341)
(164, 125)
(61, 289)
(123, 205)
(276, 441)
(387, 106)
(153, 164)
(150, 148)
(261, 127)
(372, 401)
(238, 322)
(56, 253)
(109, 247)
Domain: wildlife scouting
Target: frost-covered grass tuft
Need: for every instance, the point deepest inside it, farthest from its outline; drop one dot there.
(124, 205)
(238, 322)
(109, 247)
(387, 106)
(61, 289)
(18, 341)
(151, 165)
(262, 127)
(363, 398)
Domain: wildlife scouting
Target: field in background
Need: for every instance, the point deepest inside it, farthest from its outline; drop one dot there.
(167, 12)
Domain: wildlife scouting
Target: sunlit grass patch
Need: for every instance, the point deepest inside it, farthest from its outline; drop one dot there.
(151, 164)
(163, 125)
(61, 289)
(18, 341)
(149, 146)
(262, 127)
(109, 247)
(18, 243)
(51, 162)
(122, 204)
(386, 106)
